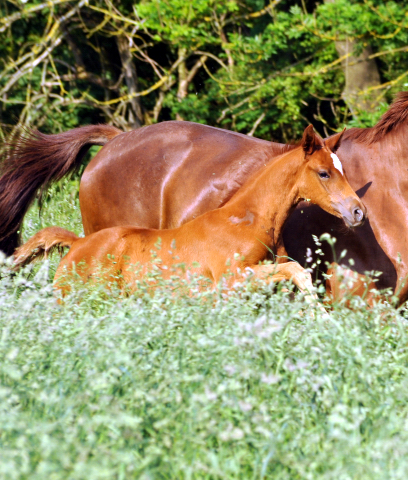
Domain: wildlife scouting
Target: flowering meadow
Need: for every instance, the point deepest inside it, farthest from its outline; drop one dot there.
(253, 385)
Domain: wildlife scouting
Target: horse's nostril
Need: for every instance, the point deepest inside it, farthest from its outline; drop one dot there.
(358, 214)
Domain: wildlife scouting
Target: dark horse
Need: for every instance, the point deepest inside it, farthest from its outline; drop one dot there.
(164, 175)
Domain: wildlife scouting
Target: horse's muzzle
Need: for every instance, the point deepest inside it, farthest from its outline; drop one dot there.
(353, 212)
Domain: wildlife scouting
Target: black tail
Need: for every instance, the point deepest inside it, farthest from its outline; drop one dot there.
(33, 162)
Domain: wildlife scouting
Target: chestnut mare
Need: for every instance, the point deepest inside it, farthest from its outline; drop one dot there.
(164, 175)
(228, 239)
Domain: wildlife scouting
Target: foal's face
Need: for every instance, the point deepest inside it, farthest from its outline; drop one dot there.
(324, 183)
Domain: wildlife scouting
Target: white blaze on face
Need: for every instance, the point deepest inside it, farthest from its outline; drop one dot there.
(336, 162)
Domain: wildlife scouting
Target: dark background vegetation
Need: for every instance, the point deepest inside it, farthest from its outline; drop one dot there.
(257, 67)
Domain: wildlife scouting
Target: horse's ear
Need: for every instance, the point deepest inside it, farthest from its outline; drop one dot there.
(334, 141)
(311, 141)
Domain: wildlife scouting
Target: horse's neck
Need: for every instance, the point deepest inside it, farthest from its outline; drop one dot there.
(266, 200)
(387, 145)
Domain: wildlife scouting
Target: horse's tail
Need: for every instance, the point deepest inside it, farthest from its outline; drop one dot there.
(31, 163)
(42, 244)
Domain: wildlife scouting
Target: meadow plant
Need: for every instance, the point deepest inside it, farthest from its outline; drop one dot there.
(165, 385)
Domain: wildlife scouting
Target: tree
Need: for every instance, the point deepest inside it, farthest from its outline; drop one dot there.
(265, 68)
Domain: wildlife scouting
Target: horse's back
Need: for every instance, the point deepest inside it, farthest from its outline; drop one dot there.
(163, 175)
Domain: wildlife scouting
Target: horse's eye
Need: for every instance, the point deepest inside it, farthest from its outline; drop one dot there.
(324, 175)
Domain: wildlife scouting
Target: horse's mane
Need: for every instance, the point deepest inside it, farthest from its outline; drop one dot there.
(281, 148)
(394, 117)
(290, 146)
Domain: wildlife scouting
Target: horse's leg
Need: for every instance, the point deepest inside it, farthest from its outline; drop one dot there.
(293, 272)
(286, 271)
(401, 289)
(281, 253)
(343, 282)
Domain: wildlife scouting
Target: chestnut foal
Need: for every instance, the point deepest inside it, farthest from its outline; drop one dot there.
(238, 235)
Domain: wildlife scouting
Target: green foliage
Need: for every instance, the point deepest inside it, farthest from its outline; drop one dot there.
(269, 68)
(199, 387)
(182, 24)
(61, 207)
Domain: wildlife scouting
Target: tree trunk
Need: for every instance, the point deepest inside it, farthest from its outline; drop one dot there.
(182, 79)
(185, 77)
(135, 112)
(360, 73)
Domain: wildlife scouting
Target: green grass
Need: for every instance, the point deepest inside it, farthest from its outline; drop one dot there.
(167, 386)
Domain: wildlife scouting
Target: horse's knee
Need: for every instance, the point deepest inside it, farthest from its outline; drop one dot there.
(342, 282)
(401, 289)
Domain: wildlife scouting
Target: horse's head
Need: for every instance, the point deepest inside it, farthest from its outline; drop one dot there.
(324, 181)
